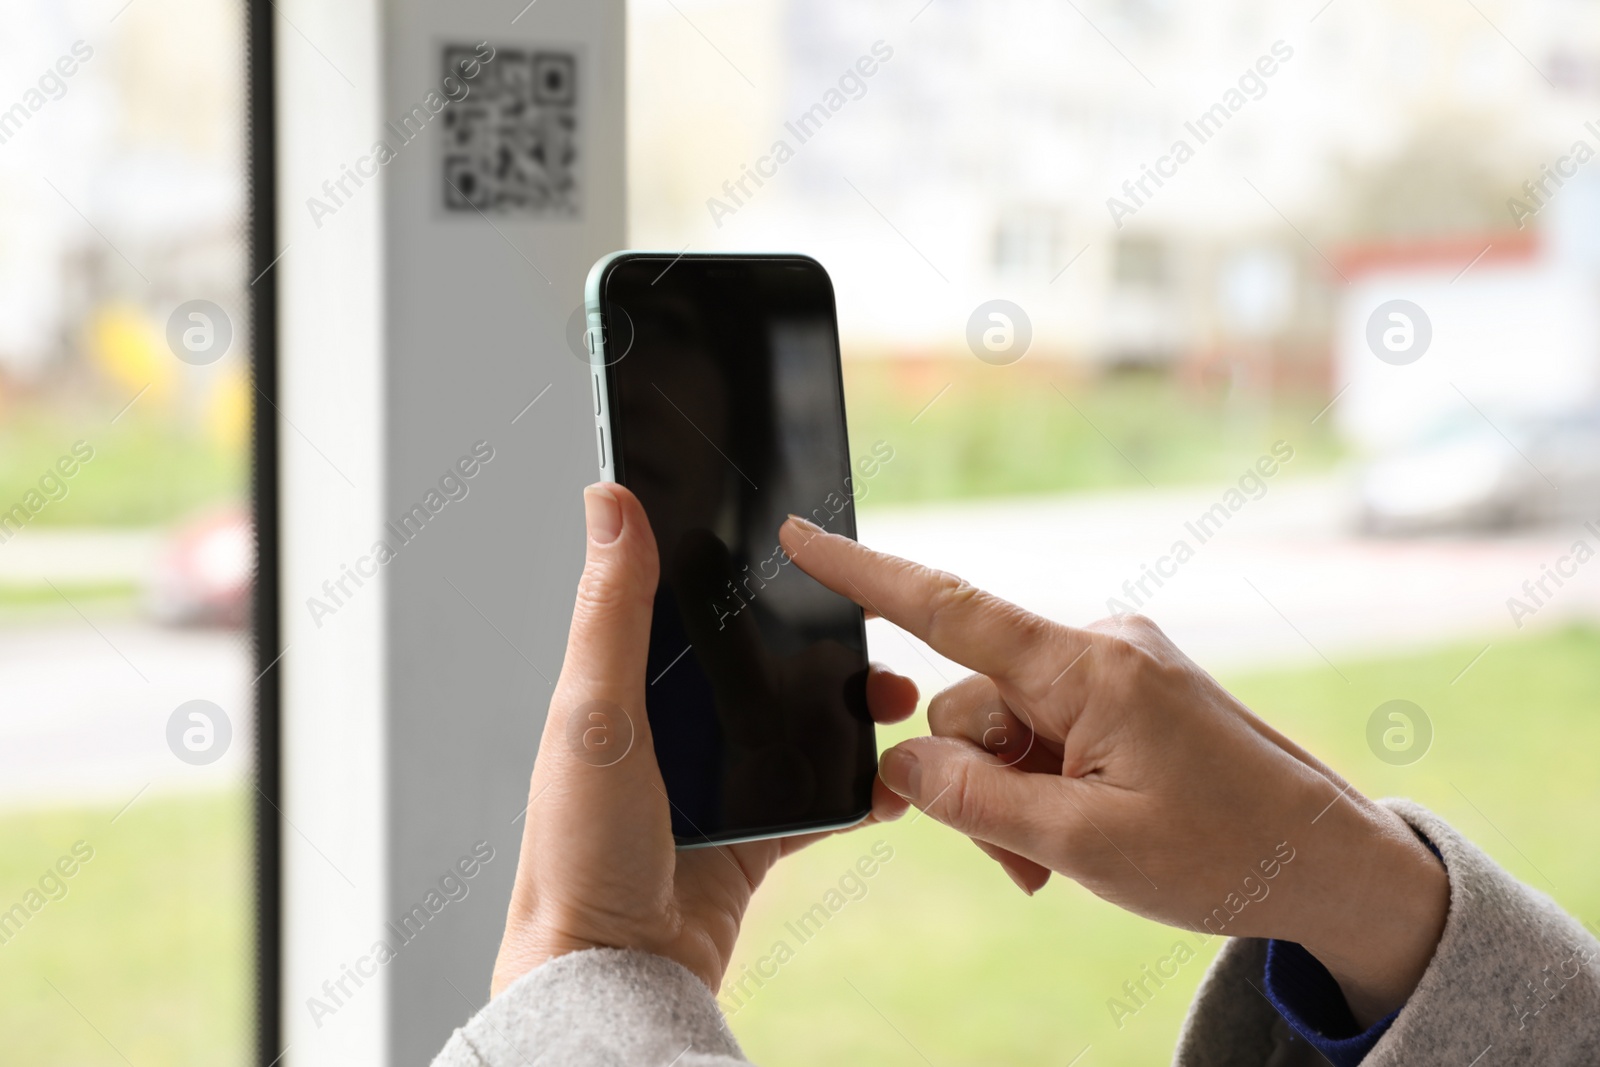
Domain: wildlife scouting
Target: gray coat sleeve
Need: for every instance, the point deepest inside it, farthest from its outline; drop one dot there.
(609, 1007)
(1514, 980)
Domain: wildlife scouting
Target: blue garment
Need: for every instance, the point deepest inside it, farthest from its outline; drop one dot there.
(1310, 1000)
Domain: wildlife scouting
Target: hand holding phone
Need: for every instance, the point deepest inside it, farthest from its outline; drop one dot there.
(598, 866)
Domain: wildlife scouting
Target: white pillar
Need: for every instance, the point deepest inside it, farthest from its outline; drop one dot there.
(414, 335)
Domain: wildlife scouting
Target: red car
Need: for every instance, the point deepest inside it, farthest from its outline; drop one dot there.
(206, 571)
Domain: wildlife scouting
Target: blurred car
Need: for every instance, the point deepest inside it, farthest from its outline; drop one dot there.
(204, 574)
(1471, 474)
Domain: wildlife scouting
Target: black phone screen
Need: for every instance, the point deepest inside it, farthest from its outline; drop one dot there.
(727, 415)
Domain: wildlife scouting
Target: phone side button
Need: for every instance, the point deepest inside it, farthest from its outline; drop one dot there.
(597, 396)
(602, 430)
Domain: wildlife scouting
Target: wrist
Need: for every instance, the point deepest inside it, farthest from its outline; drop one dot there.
(522, 950)
(537, 932)
(1380, 907)
(533, 943)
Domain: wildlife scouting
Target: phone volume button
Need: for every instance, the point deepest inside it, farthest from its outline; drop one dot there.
(602, 431)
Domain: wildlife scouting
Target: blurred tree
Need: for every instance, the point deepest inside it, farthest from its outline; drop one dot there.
(1443, 182)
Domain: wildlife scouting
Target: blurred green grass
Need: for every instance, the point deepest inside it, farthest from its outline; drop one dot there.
(962, 429)
(992, 431)
(147, 469)
(20, 602)
(942, 958)
(152, 942)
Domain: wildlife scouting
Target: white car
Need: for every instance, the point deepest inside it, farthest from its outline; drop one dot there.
(1480, 474)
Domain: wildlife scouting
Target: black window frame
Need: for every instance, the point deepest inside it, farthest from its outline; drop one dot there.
(261, 166)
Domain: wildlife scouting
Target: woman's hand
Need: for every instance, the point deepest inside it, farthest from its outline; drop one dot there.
(1105, 754)
(598, 868)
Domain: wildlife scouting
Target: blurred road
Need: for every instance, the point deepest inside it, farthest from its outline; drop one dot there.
(86, 700)
(1285, 581)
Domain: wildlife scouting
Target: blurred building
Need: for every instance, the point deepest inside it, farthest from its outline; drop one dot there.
(1038, 158)
(1512, 319)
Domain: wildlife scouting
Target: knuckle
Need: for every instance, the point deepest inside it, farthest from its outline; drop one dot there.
(1142, 677)
(1123, 663)
(601, 595)
(951, 595)
(1031, 631)
(963, 805)
(1139, 624)
(941, 713)
(595, 594)
(951, 707)
(1128, 626)
(1132, 649)
(1099, 626)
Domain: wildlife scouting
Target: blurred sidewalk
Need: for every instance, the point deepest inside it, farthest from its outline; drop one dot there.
(79, 556)
(86, 706)
(1285, 582)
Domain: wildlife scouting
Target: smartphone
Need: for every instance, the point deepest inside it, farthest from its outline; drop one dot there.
(719, 402)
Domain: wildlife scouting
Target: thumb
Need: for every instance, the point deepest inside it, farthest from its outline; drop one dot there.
(609, 642)
(974, 792)
(610, 636)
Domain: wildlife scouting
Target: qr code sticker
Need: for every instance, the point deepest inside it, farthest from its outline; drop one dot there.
(511, 146)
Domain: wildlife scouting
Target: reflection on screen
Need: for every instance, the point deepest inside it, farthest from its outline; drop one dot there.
(727, 416)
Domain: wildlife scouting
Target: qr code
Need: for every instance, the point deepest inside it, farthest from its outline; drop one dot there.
(511, 146)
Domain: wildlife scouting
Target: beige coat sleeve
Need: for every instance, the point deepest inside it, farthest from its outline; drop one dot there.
(1515, 980)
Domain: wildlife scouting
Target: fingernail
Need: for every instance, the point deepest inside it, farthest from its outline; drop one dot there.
(901, 771)
(1017, 878)
(602, 513)
(804, 525)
